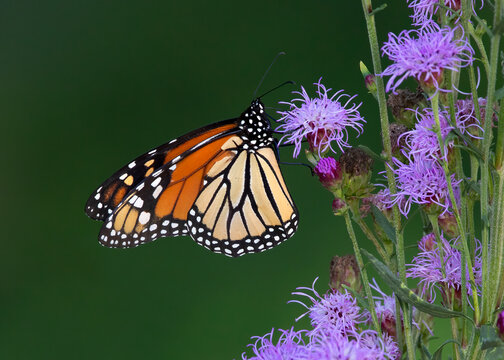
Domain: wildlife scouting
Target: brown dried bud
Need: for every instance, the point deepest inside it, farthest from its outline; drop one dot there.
(357, 169)
(448, 224)
(397, 142)
(402, 103)
(345, 271)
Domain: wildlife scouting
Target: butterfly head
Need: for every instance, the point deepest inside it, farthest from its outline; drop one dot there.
(255, 126)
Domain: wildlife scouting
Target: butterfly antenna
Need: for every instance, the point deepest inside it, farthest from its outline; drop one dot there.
(266, 73)
(276, 87)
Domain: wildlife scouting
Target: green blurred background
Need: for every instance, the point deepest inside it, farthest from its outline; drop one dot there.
(86, 86)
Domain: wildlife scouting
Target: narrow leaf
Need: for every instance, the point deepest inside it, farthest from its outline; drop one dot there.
(384, 223)
(408, 296)
(438, 354)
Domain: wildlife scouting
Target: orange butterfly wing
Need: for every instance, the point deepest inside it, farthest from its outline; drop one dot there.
(159, 205)
(113, 191)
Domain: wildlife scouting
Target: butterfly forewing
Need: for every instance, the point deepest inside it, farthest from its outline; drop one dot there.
(113, 191)
(158, 206)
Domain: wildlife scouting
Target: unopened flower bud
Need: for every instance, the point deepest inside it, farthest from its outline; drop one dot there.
(339, 206)
(369, 79)
(480, 29)
(448, 224)
(345, 271)
(396, 141)
(329, 173)
(388, 325)
(357, 169)
(428, 242)
(500, 324)
(403, 105)
(365, 206)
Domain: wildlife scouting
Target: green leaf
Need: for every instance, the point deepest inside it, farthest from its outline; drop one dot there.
(489, 337)
(384, 223)
(495, 354)
(438, 354)
(378, 9)
(408, 296)
(499, 94)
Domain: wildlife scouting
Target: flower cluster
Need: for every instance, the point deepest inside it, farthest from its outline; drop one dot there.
(322, 120)
(435, 271)
(421, 181)
(422, 140)
(424, 54)
(338, 332)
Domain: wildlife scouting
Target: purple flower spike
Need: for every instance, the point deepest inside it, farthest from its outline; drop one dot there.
(320, 120)
(420, 181)
(424, 54)
(335, 311)
(290, 345)
(427, 267)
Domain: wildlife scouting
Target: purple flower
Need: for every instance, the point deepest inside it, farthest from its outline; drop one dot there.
(423, 139)
(321, 120)
(424, 54)
(364, 346)
(329, 172)
(385, 307)
(334, 311)
(424, 10)
(385, 310)
(466, 118)
(421, 181)
(427, 267)
(290, 345)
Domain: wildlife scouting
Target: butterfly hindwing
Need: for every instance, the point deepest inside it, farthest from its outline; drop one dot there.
(244, 208)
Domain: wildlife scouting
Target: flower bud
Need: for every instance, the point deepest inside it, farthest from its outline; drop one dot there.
(448, 224)
(500, 324)
(339, 206)
(345, 271)
(403, 103)
(369, 79)
(329, 173)
(357, 169)
(480, 29)
(365, 207)
(396, 141)
(428, 242)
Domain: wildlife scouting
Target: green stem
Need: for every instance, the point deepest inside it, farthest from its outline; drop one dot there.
(489, 292)
(384, 122)
(369, 234)
(481, 47)
(444, 163)
(499, 202)
(365, 280)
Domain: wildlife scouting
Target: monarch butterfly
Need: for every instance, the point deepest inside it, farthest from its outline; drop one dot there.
(220, 184)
